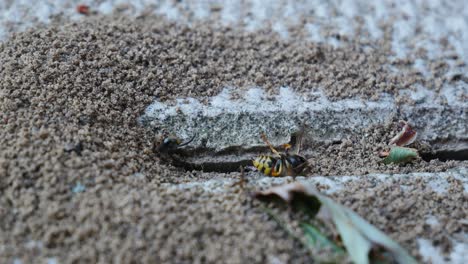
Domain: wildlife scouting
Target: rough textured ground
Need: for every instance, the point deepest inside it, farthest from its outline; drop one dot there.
(200, 61)
(70, 98)
(406, 208)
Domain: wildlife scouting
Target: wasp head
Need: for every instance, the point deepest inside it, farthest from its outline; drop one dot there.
(169, 144)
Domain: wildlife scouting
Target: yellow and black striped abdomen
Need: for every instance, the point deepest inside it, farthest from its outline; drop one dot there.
(268, 165)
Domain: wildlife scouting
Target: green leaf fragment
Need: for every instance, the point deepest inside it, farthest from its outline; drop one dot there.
(293, 235)
(360, 238)
(318, 240)
(400, 155)
(357, 234)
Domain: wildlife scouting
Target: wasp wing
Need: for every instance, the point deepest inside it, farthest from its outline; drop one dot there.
(295, 143)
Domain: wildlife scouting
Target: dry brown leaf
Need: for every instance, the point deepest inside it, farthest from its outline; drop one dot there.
(406, 136)
(359, 237)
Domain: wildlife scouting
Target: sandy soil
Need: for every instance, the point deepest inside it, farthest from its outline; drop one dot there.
(70, 98)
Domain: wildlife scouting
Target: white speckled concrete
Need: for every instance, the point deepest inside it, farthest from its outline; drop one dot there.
(224, 122)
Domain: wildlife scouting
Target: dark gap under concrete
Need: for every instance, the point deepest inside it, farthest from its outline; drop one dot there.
(232, 158)
(446, 155)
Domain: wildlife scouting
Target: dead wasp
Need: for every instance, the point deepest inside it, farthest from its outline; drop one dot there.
(170, 144)
(282, 164)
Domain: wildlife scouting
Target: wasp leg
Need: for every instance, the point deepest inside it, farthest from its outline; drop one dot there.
(286, 147)
(188, 142)
(242, 181)
(264, 138)
(302, 168)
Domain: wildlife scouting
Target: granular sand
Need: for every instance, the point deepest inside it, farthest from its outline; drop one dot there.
(359, 155)
(70, 98)
(402, 208)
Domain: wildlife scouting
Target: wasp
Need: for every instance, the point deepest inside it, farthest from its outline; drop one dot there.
(289, 163)
(170, 144)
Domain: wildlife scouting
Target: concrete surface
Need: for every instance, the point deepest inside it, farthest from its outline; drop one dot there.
(224, 122)
(441, 28)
